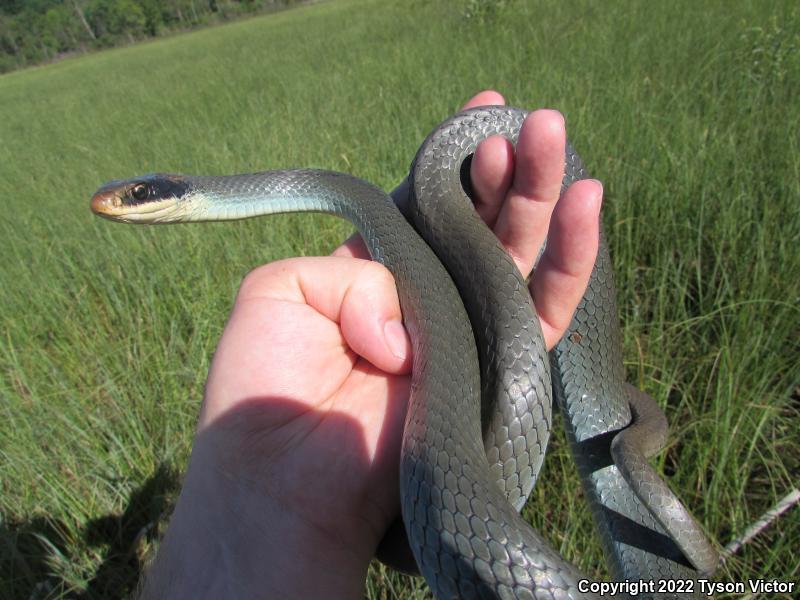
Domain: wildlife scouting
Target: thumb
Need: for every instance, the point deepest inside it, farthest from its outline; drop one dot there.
(359, 295)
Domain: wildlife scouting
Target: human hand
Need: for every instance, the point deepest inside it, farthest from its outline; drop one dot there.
(295, 466)
(518, 197)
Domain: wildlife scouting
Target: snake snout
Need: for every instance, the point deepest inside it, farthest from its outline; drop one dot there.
(104, 203)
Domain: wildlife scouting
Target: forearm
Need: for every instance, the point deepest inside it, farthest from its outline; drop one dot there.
(222, 544)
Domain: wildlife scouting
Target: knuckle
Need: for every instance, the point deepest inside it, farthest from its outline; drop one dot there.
(375, 274)
(263, 277)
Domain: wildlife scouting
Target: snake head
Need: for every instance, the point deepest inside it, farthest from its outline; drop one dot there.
(148, 199)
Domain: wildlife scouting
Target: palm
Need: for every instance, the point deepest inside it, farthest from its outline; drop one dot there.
(326, 422)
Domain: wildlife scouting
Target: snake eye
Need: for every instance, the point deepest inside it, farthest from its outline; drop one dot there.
(139, 192)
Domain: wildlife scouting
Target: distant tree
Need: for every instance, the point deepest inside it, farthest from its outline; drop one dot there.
(155, 14)
(61, 24)
(82, 18)
(8, 35)
(11, 7)
(33, 31)
(111, 19)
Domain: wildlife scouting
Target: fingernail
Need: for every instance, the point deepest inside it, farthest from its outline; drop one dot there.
(598, 199)
(559, 115)
(395, 335)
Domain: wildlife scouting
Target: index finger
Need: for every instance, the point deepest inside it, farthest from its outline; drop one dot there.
(485, 98)
(353, 246)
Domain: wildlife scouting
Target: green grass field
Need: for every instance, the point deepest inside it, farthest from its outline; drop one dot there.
(687, 111)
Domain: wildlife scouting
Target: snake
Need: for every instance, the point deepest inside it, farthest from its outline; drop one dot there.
(483, 382)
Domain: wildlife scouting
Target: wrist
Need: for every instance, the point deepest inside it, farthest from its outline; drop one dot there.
(226, 540)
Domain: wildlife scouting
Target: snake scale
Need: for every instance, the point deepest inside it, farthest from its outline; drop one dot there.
(482, 390)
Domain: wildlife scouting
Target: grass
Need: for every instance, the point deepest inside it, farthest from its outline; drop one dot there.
(687, 111)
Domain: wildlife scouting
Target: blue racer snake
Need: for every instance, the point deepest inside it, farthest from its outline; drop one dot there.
(480, 396)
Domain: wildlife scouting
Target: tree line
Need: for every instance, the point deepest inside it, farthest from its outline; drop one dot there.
(37, 31)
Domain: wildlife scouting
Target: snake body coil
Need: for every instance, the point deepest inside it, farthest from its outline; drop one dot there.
(461, 515)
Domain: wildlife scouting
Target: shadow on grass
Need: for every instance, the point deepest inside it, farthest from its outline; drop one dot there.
(28, 548)
(36, 554)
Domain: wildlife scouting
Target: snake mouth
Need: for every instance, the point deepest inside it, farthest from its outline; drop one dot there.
(143, 200)
(111, 205)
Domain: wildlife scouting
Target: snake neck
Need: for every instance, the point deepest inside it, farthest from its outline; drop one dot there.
(272, 192)
(423, 283)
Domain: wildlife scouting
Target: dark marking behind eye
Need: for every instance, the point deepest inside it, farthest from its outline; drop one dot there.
(153, 188)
